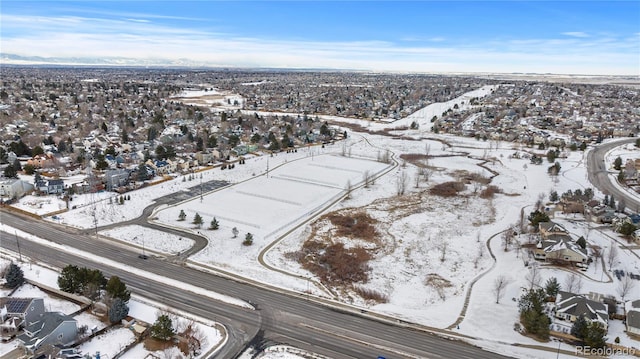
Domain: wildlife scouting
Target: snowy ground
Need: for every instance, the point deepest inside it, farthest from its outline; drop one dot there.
(113, 341)
(301, 183)
(150, 239)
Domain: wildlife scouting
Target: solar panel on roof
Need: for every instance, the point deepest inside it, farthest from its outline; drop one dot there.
(17, 305)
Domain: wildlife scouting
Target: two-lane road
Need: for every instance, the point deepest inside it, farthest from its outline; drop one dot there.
(599, 175)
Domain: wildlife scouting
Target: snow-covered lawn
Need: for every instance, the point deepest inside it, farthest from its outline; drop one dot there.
(150, 239)
(109, 343)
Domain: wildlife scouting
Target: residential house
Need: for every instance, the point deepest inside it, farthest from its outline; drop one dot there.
(632, 311)
(15, 313)
(548, 228)
(50, 328)
(560, 249)
(116, 178)
(14, 188)
(206, 157)
(556, 245)
(570, 306)
(55, 186)
(41, 161)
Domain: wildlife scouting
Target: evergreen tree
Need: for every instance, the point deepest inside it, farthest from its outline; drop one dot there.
(14, 276)
(69, 279)
(214, 224)
(627, 229)
(117, 289)
(580, 328)
(612, 202)
(552, 287)
(617, 163)
(582, 242)
(532, 315)
(93, 277)
(30, 169)
(10, 172)
(588, 193)
(583, 146)
(101, 163)
(118, 311)
(536, 217)
(235, 232)
(17, 165)
(553, 196)
(197, 220)
(162, 328)
(595, 335)
(37, 151)
(248, 239)
(182, 216)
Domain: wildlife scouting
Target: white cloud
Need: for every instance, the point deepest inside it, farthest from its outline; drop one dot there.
(135, 37)
(576, 34)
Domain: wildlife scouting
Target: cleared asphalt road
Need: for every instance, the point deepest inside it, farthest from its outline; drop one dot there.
(599, 175)
(280, 317)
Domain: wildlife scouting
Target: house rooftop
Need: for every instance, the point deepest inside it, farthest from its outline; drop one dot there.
(577, 305)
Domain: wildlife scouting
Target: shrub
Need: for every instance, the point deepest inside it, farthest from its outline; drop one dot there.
(490, 191)
(447, 189)
(335, 264)
(371, 294)
(358, 225)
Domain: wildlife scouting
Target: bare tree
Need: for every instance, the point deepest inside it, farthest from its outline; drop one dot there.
(443, 246)
(533, 277)
(499, 286)
(348, 189)
(540, 201)
(573, 283)
(612, 255)
(507, 239)
(402, 183)
(426, 172)
(417, 178)
(367, 179)
(625, 286)
(196, 338)
(597, 255)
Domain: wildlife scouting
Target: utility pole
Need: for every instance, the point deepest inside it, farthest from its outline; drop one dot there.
(18, 244)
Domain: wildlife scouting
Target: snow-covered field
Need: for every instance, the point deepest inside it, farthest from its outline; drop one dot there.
(415, 225)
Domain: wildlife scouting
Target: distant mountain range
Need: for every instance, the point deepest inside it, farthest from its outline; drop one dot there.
(108, 61)
(12, 59)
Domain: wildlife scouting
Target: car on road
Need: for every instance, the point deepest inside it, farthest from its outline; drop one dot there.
(143, 256)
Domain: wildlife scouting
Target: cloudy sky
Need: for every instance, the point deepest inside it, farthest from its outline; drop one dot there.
(571, 37)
